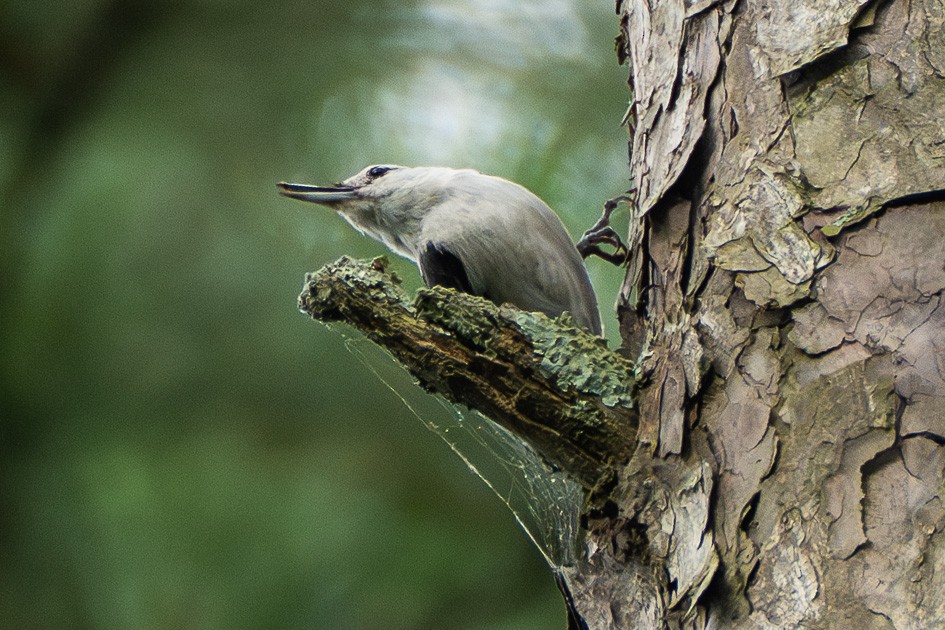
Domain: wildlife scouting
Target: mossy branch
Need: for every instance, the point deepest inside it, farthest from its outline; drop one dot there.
(556, 387)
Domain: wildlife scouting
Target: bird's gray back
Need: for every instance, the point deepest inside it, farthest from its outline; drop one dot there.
(513, 246)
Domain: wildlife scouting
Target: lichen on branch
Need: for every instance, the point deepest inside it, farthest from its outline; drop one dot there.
(554, 386)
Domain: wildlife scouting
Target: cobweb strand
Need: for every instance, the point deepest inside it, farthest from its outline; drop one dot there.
(545, 503)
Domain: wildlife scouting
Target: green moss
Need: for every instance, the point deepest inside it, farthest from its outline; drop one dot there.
(570, 357)
(850, 217)
(317, 297)
(471, 319)
(577, 359)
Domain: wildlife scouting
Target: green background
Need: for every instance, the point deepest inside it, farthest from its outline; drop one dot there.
(180, 447)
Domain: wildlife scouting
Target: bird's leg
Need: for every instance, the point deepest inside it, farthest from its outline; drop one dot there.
(602, 234)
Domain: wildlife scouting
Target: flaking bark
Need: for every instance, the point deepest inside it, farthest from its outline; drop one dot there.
(790, 239)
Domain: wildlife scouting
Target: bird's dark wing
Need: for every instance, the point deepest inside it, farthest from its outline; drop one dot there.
(441, 267)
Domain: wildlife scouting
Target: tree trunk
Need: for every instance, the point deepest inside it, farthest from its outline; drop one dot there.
(788, 233)
(777, 456)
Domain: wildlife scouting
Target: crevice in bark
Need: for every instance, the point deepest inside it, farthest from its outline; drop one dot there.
(807, 77)
(928, 196)
(928, 435)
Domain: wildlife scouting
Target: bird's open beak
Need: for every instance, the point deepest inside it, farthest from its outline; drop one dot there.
(325, 195)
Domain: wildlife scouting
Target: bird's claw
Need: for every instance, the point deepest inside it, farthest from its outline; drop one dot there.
(602, 234)
(592, 240)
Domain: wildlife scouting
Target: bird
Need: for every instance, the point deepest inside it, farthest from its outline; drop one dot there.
(467, 231)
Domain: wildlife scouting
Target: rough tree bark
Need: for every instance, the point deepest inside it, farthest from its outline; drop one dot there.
(789, 238)
(784, 463)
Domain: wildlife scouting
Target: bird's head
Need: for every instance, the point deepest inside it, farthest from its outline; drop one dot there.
(386, 202)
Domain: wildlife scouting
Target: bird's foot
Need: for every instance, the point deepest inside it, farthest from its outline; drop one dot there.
(602, 234)
(592, 240)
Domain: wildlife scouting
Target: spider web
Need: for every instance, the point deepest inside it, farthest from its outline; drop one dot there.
(544, 502)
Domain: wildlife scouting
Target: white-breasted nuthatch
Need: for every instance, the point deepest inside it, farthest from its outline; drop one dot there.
(471, 232)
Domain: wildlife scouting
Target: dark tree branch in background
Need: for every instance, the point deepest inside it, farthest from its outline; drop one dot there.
(64, 93)
(61, 97)
(556, 387)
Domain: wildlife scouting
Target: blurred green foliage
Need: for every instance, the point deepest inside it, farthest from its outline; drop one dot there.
(180, 447)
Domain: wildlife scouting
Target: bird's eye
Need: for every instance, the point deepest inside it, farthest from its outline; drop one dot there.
(377, 171)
